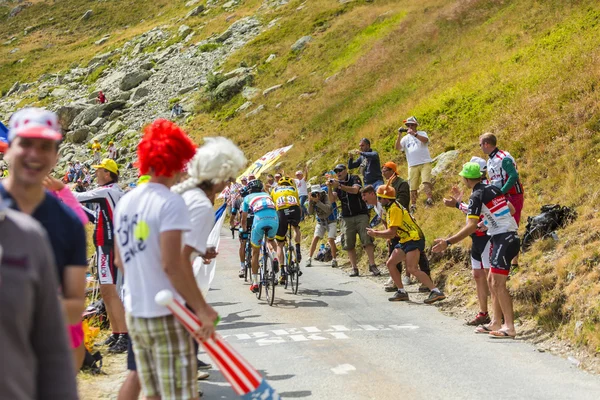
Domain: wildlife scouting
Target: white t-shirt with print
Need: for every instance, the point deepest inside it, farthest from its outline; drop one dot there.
(417, 152)
(302, 188)
(140, 217)
(202, 217)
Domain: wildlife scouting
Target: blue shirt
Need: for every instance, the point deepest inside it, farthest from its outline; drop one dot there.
(260, 204)
(64, 228)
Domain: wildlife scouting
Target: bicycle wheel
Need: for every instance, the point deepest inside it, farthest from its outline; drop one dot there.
(269, 279)
(261, 278)
(285, 271)
(293, 271)
(248, 262)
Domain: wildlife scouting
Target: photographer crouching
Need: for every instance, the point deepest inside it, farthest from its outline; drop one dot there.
(319, 204)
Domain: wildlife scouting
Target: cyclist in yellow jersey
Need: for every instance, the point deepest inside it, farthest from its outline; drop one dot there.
(411, 243)
(287, 202)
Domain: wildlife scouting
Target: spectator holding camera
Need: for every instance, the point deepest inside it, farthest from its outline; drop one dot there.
(415, 145)
(355, 216)
(319, 205)
(370, 158)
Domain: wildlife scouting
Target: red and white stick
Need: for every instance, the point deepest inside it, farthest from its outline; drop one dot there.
(245, 379)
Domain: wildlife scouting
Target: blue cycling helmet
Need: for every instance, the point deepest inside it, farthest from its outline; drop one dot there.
(255, 186)
(244, 191)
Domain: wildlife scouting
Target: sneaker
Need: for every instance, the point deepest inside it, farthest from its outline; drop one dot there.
(480, 319)
(406, 281)
(354, 272)
(429, 202)
(203, 365)
(308, 263)
(423, 289)
(202, 375)
(390, 286)
(282, 280)
(275, 266)
(412, 209)
(334, 264)
(434, 296)
(120, 346)
(399, 296)
(374, 270)
(110, 341)
(254, 288)
(242, 272)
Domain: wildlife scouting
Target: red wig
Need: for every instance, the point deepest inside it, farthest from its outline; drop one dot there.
(165, 149)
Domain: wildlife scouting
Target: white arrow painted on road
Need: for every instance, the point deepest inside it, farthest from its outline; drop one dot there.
(343, 369)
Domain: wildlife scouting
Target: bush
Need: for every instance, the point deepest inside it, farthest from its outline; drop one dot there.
(208, 47)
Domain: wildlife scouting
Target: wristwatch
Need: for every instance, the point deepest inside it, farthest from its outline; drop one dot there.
(448, 244)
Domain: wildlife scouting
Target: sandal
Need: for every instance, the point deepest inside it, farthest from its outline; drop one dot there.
(483, 330)
(501, 335)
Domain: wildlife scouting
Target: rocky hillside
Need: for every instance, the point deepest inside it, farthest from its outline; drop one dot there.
(321, 74)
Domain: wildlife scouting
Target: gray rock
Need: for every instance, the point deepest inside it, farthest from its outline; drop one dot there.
(16, 10)
(113, 105)
(15, 87)
(98, 122)
(223, 36)
(133, 79)
(99, 137)
(124, 96)
(87, 15)
(231, 87)
(256, 111)
(66, 114)
(13, 51)
(250, 93)
(139, 93)
(93, 95)
(139, 103)
(270, 90)
(42, 94)
(291, 80)
(230, 4)
(237, 72)
(115, 127)
(147, 66)
(443, 162)
(195, 11)
(191, 3)
(59, 92)
(301, 43)
(244, 107)
(100, 59)
(270, 58)
(184, 30)
(186, 89)
(102, 41)
(115, 115)
(78, 136)
(578, 328)
(67, 157)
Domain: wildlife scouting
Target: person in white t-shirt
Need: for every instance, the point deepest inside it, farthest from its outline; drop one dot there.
(415, 145)
(149, 224)
(302, 190)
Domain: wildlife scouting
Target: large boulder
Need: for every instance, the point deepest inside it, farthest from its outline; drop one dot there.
(139, 93)
(133, 79)
(88, 116)
(66, 114)
(78, 136)
(113, 105)
(195, 11)
(115, 127)
(444, 161)
(226, 90)
(301, 43)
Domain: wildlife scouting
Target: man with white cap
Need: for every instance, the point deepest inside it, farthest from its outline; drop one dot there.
(302, 187)
(325, 211)
(34, 137)
(415, 145)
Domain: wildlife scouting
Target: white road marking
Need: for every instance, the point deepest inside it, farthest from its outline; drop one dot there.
(405, 326)
(270, 341)
(339, 328)
(280, 332)
(299, 338)
(312, 329)
(339, 335)
(343, 369)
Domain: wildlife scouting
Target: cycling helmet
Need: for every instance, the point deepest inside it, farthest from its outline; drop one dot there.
(244, 191)
(285, 181)
(255, 186)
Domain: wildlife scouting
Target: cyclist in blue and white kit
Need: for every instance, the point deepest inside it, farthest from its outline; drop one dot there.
(265, 217)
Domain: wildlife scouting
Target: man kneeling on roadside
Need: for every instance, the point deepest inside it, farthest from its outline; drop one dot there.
(411, 243)
(489, 201)
(320, 205)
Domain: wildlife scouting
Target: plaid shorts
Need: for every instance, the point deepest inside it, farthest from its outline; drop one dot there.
(165, 358)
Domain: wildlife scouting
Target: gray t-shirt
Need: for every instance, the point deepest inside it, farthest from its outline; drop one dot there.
(33, 337)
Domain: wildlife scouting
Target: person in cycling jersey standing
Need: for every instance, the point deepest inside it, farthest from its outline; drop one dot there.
(287, 203)
(106, 196)
(265, 219)
(502, 170)
(489, 201)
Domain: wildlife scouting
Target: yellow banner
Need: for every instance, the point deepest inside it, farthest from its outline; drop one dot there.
(261, 165)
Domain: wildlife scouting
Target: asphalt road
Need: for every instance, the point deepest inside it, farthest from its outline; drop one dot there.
(339, 338)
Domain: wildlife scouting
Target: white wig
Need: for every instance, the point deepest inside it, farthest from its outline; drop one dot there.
(217, 161)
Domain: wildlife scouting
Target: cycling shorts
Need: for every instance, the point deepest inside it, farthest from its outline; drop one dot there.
(105, 263)
(249, 223)
(481, 252)
(267, 220)
(288, 216)
(505, 248)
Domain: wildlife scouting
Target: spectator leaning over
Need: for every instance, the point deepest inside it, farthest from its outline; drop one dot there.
(355, 216)
(302, 187)
(106, 196)
(372, 172)
(34, 136)
(411, 242)
(502, 170)
(489, 201)
(415, 145)
(319, 205)
(149, 224)
(36, 363)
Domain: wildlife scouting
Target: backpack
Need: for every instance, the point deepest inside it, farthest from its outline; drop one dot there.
(552, 217)
(324, 254)
(92, 363)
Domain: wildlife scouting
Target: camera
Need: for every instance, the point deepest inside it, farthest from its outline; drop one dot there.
(314, 194)
(402, 130)
(331, 181)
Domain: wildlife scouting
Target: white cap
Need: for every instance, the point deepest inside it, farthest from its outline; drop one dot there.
(482, 164)
(411, 120)
(34, 123)
(316, 189)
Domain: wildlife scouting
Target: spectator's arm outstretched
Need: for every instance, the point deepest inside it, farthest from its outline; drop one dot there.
(354, 164)
(513, 175)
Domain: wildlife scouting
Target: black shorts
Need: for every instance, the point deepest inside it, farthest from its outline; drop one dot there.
(131, 366)
(105, 264)
(412, 245)
(505, 247)
(478, 247)
(291, 216)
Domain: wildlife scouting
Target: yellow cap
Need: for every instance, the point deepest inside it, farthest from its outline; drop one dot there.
(109, 165)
